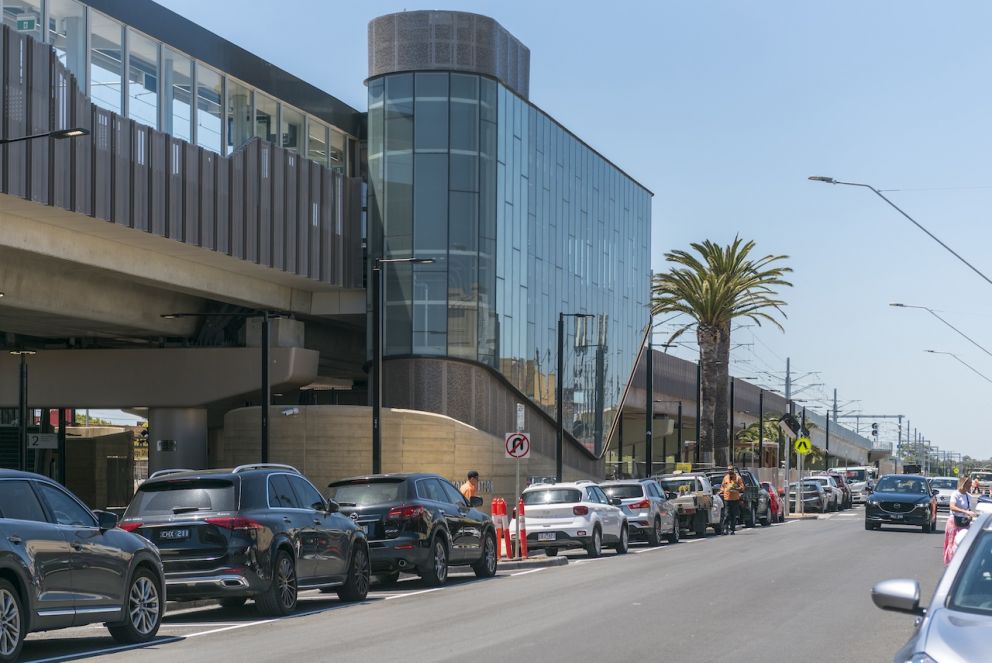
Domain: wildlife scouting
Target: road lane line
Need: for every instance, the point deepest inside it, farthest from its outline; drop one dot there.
(234, 628)
(423, 591)
(523, 573)
(106, 650)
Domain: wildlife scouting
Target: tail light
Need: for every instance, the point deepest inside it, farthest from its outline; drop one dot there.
(405, 512)
(637, 506)
(580, 510)
(130, 527)
(235, 524)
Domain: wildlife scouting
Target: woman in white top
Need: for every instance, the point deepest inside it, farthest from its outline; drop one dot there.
(960, 511)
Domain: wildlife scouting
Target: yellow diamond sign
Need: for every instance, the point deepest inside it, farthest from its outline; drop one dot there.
(803, 446)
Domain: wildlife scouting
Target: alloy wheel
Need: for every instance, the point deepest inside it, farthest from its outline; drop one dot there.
(362, 571)
(597, 542)
(490, 554)
(143, 605)
(10, 623)
(440, 561)
(286, 579)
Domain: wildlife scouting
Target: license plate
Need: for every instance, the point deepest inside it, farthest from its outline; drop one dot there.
(545, 536)
(896, 516)
(174, 534)
(364, 528)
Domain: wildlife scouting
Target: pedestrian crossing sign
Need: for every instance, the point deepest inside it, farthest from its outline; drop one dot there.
(802, 446)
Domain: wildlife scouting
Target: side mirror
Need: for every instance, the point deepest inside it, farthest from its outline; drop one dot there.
(616, 501)
(105, 520)
(900, 595)
(475, 502)
(672, 496)
(332, 506)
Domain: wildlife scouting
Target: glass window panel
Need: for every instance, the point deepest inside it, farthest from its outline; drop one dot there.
(464, 112)
(463, 312)
(399, 204)
(178, 72)
(106, 62)
(337, 150)
(316, 141)
(430, 310)
(430, 212)
(398, 295)
(431, 112)
(209, 93)
(465, 172)
(265, 117)
(142, 79)
(292, 128)
(239, 126)
(67, 35)
(23, 16)
(463, 228)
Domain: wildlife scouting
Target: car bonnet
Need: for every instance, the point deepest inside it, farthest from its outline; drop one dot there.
(952, 636)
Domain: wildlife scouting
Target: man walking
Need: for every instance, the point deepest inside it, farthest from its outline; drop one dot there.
(471, 487)
(731, 490)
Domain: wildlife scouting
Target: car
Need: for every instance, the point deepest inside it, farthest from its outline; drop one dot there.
(945, 487)
(814, 497)
(651, 513)
(848, 495)
(835, 496)
(902, 499)
(754, 500)
(859, 479)
(775, 501)
(63, 565)
(418, 523)
(698, 503)
(568, 515)
(260, 532)
(983, 478)
(957, 626)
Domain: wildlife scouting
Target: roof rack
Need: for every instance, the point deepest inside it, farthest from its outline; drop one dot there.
(162, 473)
(264, 466)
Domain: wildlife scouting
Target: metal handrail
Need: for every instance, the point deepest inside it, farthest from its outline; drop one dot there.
(265, 466)
(162, 473)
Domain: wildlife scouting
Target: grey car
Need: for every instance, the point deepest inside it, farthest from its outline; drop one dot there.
(958, 624)
(651, 516)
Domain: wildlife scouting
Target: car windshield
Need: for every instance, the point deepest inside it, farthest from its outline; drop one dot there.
(680, 486)
(624, 492)
(553, 496)
(365, 493)
(807, 485)
(901, 485)
(944, 484)
(982, 476)
(170, 498)
(972, 591)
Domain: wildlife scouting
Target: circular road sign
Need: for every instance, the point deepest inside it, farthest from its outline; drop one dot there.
(517, 445)
(803, 446)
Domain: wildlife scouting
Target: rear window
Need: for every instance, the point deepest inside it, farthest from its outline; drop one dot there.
(553, 496)
(366, 493)
(624, 492)
(178, 497)
(982, 476)
(856, 475)
(945, 484)
(680, 486)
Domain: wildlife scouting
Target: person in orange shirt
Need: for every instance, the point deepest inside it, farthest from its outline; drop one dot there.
(471, 487)
(731, 490)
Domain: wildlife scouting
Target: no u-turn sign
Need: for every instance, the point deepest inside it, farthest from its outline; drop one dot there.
(517, 445)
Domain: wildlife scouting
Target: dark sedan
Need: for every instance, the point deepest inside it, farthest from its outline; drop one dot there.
(418, 523)
(63, 565)
(902, 499)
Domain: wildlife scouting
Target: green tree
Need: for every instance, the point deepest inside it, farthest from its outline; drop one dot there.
(719, 285)
(746, 439)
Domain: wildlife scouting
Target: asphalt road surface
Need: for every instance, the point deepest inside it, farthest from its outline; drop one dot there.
(791, 592)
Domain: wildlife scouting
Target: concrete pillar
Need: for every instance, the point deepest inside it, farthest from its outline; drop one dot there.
(177, 438)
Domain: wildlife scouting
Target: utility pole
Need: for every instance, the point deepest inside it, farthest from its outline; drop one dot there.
(835, 405)
(788, 379)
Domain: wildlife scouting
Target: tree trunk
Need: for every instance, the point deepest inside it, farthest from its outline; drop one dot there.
(708, 338)
(721, 415)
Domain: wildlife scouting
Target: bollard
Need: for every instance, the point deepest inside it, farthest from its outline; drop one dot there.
(522, 536)
(498, 524)
(505, 543)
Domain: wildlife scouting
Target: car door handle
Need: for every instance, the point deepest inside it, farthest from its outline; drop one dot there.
(76, 545)
(286, 519)
(16, 540)
(316, 521)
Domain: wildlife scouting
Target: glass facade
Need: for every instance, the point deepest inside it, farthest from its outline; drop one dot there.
(523, 221)
(132, 74)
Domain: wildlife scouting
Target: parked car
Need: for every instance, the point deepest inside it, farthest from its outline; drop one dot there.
(256, 531)
(573, 515)
(813, 496)
(776, 501)
(983, 478)
(697, 502)
(754, 500)
(848, 495)
(902, 499)
(835, 497)
(418, 523)
(63, 565)
(957, 626)
(860, 480)
(945, 487)
(651, 515)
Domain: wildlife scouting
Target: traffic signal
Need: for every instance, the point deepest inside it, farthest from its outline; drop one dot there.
(874, 430)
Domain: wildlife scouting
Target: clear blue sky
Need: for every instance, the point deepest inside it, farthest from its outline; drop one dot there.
(723, 109)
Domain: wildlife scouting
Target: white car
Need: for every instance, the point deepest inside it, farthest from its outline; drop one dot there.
(945, 487)
(572, 515)
(984, 480)
(835, 496)
(859, 479)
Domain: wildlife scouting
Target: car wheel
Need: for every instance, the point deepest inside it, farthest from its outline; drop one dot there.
(700, 525)
(718, 529)
(869, 526)
(485, 566)
(595, 547)
(356, 587)
(281, 596)
(143, 611)
(233, 602)
(11, 623)
(550, 552)
(623, 545)
(388, 578)
(674, 536)
(436, 572)
(654, 534)
(752, 517)
(926, 527)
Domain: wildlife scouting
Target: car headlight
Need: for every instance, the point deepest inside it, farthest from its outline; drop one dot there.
(920, 657)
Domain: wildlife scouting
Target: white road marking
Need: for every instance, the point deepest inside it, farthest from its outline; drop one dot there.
(523, 573)
(106, 650)
(644, 550)
(423, 591)
(233, 628)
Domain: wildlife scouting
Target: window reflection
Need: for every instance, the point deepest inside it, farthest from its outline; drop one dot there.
(142, 79)
(209, 92)
(106, 62)
(67, 35)
(177, 70)
(239, 124)
(317, 142)
(265, 117)
(292, 128)
(23, 16)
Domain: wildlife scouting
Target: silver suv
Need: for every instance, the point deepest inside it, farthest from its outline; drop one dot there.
(651, 516)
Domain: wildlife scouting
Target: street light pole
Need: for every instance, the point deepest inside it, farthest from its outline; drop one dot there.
(22, 410)
(964, 363)
(761, 428)
(58, 134)
(560, 392)
(961, 333)
(649, 410)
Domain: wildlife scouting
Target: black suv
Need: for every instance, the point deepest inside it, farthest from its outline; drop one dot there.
(755, 505)
(418, 523)
(257, 531)
(63, 565)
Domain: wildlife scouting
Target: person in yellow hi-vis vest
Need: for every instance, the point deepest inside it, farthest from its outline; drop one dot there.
(731, 490)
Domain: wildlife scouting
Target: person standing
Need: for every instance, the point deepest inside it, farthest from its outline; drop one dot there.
(471, 487)
(961, 515)
(731, 490)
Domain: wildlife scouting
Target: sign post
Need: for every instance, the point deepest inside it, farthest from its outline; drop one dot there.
(43, 441)
(803, 447)
(517, 447)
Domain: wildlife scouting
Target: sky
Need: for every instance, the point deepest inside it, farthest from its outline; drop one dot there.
(723, 109)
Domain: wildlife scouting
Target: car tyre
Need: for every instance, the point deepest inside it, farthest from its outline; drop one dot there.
(623, 545)
(387, 579)
(281, 596)
(143, 612)
(752, 517)
(673, 537)
(550, 552)
(654, 534)
(436, 573)
(595, 547)
(356, 587)
(718, 529)
(233, 602)
(700, 528)
(485, 566)
(12, 624)
(869, 526)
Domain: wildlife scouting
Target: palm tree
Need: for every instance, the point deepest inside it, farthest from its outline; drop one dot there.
(746, 439)
(721, 284)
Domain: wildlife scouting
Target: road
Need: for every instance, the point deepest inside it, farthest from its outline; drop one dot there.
(766, 593)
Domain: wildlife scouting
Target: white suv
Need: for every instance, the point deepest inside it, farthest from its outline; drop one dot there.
(572, 515)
